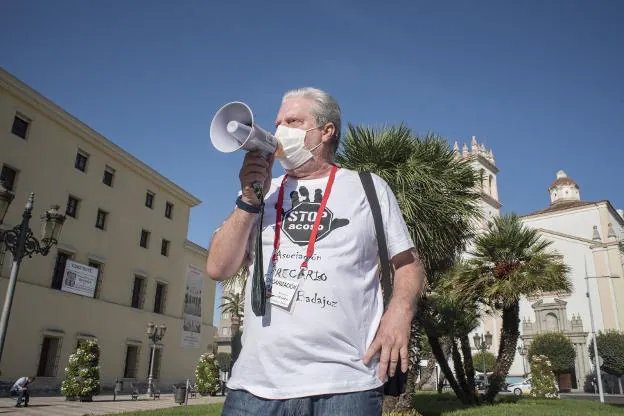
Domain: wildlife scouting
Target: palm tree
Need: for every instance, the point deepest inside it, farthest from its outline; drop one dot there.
(509, 261)
(436, 191)
(233, 303)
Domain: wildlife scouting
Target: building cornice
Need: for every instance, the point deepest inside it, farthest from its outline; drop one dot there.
(589, 205)
(60, 116)
(195, 248)
(484, 161)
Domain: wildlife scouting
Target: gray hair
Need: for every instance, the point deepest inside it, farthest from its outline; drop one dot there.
(325, 108)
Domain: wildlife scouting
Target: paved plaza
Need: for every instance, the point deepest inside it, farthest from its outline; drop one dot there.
(101, 405)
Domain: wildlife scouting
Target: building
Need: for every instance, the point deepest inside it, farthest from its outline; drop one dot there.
(126, 230)
(587, 234)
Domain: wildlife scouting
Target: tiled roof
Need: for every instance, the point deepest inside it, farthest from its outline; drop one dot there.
(562, 205)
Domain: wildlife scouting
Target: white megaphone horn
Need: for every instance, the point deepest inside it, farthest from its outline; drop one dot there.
(233, 128)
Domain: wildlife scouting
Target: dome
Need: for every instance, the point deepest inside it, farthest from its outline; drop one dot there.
(563, 189)
(563, 180)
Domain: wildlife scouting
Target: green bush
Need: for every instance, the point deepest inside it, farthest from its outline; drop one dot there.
(557, 347)
(207, 374)
(82, 375)
(611, 349)
(480, 357)
(543, 378)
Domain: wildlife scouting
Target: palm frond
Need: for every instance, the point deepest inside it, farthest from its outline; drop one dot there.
(511, 261)
(436, 191)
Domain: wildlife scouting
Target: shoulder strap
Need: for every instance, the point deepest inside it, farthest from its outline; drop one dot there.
(371, 195)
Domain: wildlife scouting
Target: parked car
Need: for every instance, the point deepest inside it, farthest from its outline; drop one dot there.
(518, 389)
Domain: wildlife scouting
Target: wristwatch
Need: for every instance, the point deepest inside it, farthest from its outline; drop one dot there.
(252, 209)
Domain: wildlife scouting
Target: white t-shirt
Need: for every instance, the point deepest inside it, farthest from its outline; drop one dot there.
(317, 346)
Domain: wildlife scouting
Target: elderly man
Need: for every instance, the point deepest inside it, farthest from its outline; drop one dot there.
(324, 345)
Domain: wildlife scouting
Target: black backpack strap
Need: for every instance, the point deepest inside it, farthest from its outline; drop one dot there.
(386, 274)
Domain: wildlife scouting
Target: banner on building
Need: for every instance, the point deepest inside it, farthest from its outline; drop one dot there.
(191, 317)
(80, 279)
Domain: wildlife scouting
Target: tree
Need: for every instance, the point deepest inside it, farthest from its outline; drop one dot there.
(484, 358)
(436, 191)
(225, 360)
(557, 348)
(82, 375)
(508, 262)
(207, 375)
(611, 350)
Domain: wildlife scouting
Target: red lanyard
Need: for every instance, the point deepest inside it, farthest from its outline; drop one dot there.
(317, 220)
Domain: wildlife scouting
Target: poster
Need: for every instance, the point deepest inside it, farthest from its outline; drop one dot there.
(191, 315)
(79, 279)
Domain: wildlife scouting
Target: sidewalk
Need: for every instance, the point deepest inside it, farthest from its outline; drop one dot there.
(101, 405)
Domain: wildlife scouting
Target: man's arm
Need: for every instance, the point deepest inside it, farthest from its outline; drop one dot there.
(229, 245)
(394, 329)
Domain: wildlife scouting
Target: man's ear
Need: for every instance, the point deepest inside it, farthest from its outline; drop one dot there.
(328, 131)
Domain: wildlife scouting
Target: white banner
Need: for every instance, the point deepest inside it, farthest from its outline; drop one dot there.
(191, 316)
(79, 279)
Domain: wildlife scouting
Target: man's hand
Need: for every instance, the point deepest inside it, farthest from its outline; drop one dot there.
(255, 169)
(395, 327)
(391, 340)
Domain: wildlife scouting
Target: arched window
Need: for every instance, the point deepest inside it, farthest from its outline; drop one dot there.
(552, 322)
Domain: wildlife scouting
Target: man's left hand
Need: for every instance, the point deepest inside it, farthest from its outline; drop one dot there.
(392, 341)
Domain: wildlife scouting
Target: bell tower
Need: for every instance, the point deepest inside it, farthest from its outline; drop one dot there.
(483, 162)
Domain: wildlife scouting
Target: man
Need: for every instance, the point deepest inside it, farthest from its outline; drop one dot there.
(322, 347)
(21, 389)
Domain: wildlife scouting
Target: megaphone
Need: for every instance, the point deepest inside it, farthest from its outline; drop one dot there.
(233, 128)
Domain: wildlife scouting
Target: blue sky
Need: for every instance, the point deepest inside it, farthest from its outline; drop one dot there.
(542, 83)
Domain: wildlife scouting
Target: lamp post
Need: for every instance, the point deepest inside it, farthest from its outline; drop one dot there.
(523, 352)
(482, 344)
(20, 241)
(593, 328)
(155, 333)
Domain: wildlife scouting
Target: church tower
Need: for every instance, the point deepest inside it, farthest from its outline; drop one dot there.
(483, 162)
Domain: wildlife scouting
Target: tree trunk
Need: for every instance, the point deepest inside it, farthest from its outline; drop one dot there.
(620, 383)
(436, 348)
(459, 371)
(468, 364)
(506, 350)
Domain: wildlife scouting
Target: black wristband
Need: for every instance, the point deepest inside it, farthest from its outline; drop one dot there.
(252, 209)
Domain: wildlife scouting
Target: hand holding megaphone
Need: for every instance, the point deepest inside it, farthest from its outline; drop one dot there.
(232, 129)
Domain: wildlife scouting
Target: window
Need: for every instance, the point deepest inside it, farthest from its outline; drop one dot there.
(98, 282)
(159, 298)
(81, 161)
(8, 176)
(72, 206)
(157, 359)
(20, 126)
(164, 247)
(49, 356)
(138, 290)
(149, 199)
(145, 235)
(169, 210)
(100, 222)
(109, 174)
(59, 269)
(132, 361)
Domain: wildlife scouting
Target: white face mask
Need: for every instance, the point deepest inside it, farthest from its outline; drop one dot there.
(293, 143)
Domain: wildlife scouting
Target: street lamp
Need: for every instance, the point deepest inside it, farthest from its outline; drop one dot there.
(155, 333)
(482, 344)
(523, 352)
(21, 242)
(593, 328)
